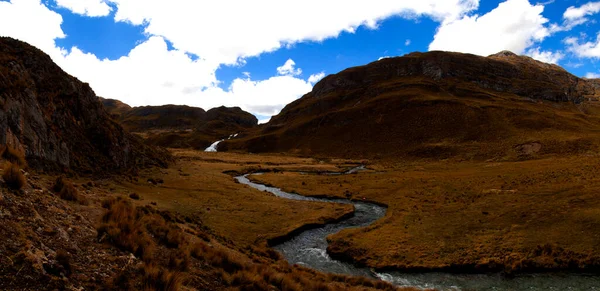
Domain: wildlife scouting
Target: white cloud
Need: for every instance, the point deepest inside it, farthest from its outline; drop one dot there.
(32, 22)
(384, 57)
(151, 74)
(288, 69)
(407, 42)
(578, 15)
(514, 25)
(545, 56)
(92, 8)
(592, 75)
(259, 26)
(582, 48)
(314, 78)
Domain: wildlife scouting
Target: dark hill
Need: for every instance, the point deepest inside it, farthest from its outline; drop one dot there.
(58, 121)
(437, 105)
(181, 126)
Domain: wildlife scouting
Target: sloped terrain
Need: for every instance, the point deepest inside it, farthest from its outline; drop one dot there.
(180, 126)
(58, 121)
(437, 105)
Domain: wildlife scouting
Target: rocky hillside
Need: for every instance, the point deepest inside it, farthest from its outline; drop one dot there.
(58, 121)
(181, 126)
(437, 105)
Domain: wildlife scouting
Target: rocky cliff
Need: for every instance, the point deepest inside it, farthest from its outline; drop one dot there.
(58, 121)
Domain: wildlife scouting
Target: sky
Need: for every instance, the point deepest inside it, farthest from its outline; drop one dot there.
(263, 54)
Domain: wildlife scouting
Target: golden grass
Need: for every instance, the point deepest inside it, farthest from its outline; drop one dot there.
(197, 187)
(470, 215)
(13, 177)
(13, 155)
(67, 191)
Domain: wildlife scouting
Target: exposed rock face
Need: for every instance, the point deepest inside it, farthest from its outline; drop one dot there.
(57, 120)
(181, 126)
(435, 104)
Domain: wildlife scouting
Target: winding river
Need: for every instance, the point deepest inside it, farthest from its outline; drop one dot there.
(309, 248)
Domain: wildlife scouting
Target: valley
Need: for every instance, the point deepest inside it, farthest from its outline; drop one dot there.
(436, 170)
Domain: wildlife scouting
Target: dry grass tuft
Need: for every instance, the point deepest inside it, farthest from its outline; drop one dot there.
(158, 279)
(13, 155)
(13, 177)
(122, 226)
(66, 191)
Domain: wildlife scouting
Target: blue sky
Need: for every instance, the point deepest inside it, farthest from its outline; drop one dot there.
(261, 55)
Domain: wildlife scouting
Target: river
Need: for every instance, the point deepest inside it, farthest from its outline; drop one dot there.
(309, 248)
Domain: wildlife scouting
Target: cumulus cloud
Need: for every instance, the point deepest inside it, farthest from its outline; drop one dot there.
(92, 8)
(407, 42)
(259, 26)
(514, 25)
(288, 69)
(32, 22)
(216, 35)
(545, 56)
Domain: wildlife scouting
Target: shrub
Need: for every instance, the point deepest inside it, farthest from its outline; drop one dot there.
(13, 155)
(134, 196)
(13, 177)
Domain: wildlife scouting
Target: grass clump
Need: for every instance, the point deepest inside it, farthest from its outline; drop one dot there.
(66, 191)
(13, 155)
(122, 226)
(159, 279)
(13, 177)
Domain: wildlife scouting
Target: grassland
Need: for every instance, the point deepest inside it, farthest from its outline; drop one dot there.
(199, 188)
(535, 215)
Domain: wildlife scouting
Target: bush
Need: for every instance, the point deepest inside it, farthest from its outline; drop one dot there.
(134, 196)
(13, 177)
(13, 155)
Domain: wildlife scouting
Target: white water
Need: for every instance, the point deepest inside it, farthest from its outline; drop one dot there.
(213, 147)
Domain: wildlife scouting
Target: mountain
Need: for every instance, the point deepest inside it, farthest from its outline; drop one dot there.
(181, 126)
(437, 105)
(58, 121)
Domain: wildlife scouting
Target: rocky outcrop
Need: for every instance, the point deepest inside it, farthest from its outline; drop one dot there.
(58, 121)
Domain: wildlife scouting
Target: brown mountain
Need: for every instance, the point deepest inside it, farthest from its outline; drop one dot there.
(181, 126)
(58, 121)
(437, 104)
